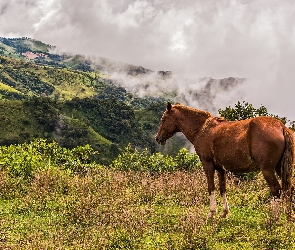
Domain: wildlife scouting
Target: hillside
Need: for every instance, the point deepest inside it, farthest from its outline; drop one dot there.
(41, 97)
(31, 50)
(106, 124)
(40, 53)
(31, 68)
(75, 100)
(136, 80)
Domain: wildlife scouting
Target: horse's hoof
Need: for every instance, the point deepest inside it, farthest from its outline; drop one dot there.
(224, 215)
(291, 218)
(211, 215)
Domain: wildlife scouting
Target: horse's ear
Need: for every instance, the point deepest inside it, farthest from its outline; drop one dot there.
(169, 106)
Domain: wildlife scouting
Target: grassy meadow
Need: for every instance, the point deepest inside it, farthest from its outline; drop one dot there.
(65, 202)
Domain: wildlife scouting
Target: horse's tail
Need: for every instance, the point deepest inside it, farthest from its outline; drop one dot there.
(287, 161)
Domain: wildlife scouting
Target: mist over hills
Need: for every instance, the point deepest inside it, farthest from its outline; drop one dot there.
(138, 81)
(75, 99)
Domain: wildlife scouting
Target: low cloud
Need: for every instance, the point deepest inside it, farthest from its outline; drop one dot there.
(192, 38)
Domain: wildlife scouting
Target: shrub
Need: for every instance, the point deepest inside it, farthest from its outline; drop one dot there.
(186, 160)
(24, 159)
(160, 163)
(132, 159)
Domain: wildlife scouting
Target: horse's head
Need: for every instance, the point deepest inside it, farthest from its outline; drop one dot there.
(168, 126)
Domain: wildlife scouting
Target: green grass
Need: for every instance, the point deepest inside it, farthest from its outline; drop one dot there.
(98, 139)
(66, 83)
(110, 209)
(17, 121)
(4, 87)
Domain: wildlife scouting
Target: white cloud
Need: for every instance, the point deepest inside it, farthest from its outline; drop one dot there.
(215, 38)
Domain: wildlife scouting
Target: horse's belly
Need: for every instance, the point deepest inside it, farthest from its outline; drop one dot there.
(238, 166)
(234, 155)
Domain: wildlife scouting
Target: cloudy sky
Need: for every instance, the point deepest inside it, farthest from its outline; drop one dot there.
(254, 39)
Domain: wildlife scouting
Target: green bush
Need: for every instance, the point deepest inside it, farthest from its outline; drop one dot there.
(24, 159)
(132, 159)
(186, 160)
(160, 163)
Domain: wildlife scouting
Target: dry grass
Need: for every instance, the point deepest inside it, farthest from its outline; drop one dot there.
(108, 209)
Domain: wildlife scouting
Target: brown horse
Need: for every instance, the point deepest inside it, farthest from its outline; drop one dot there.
(242, 146)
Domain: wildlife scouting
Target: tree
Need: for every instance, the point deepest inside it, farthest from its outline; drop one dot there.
(244, 110)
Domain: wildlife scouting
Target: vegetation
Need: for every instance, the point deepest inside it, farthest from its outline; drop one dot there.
(34, 80)
(106, 124)
(26, 159)
(244, 110)
(132, 159)
(67, 99)
(55, 198)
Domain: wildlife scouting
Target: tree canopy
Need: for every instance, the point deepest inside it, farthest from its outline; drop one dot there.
(244, 110)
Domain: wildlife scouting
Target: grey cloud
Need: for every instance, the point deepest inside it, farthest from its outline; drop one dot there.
(194, 38)
(3, 8)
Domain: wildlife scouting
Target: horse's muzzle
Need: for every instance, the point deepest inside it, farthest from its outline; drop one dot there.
(160, 140)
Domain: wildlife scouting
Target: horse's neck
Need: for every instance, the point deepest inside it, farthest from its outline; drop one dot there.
(191, 123)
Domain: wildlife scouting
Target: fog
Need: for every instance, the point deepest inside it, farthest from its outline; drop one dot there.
(195, 39)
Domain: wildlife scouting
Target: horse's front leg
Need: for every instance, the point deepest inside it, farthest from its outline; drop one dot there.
(209, 171)
(222, 189)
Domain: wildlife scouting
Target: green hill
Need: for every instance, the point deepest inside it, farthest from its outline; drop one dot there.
(31, 79)
(68, 99)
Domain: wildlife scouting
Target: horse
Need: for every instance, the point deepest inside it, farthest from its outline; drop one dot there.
(261, 143)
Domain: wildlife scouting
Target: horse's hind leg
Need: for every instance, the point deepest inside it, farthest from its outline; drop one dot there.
(272, 181)
(278, 170)
(275, 188)
(222, 189)
(288, 196)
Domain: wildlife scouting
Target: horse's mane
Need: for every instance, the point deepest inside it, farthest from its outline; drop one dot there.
(200, 116)
(220, 119)
(188, 111)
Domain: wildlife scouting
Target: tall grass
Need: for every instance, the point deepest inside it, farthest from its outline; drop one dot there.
(107, 208)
